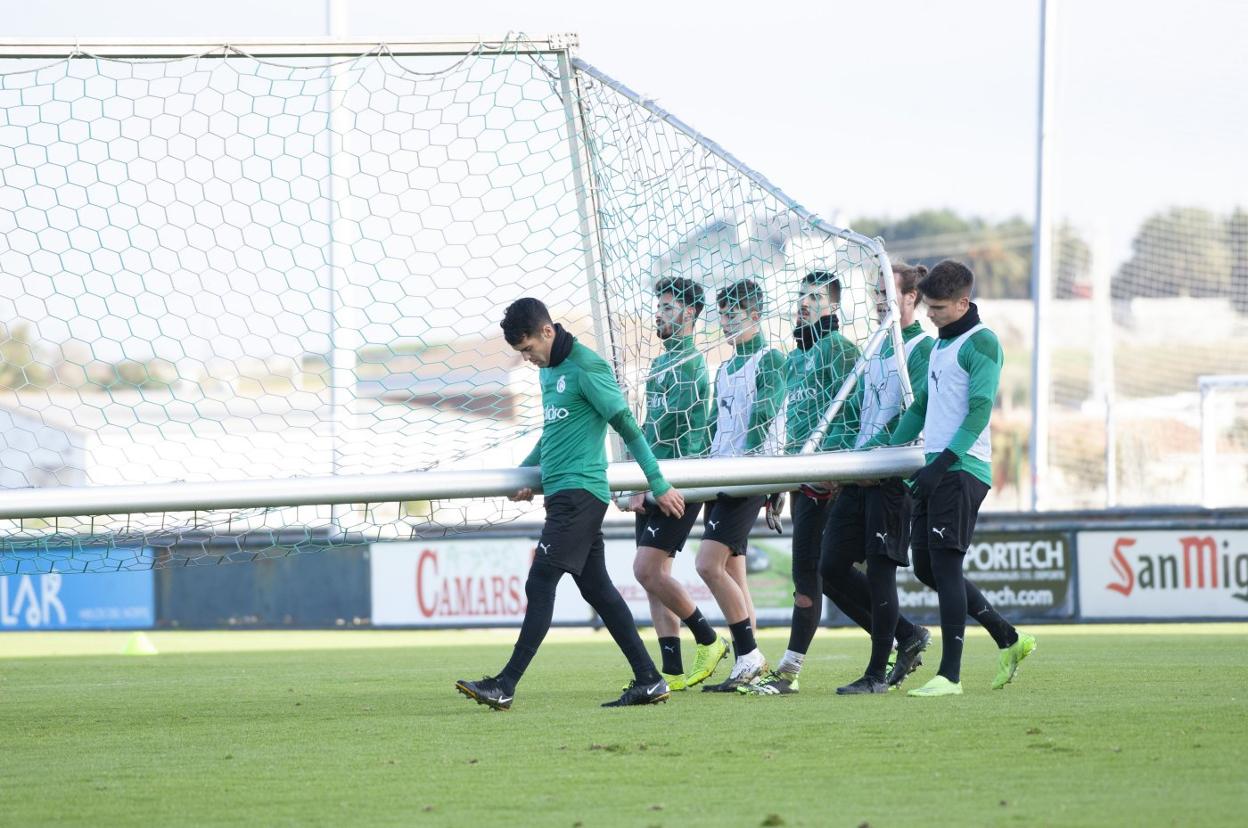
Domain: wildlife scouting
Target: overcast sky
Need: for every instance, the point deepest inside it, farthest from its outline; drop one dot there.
(922, 104)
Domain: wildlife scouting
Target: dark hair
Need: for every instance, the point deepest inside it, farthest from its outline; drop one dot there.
(686, 291)
(745, 294)
(524, 317)
(825, 279)
(947, 280)
(909, 276)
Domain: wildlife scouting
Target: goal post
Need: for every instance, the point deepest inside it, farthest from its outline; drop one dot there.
(254, 287)
(1223, 436)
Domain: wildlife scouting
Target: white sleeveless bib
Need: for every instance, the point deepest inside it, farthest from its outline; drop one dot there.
(882, 391)
(948, 400)
(735, 398)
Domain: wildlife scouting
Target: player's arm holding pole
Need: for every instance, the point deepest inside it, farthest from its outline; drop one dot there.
(604, 395)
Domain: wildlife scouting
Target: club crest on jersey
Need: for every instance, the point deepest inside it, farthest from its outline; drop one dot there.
(561, 385)
(803, 394)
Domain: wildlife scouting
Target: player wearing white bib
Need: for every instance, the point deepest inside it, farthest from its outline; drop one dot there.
(870, 519)
(746, 419)
(953, 412)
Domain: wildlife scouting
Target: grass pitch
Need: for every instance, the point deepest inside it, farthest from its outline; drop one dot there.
(1104, 726)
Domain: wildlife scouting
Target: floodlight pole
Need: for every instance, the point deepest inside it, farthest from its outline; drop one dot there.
(1041, 268)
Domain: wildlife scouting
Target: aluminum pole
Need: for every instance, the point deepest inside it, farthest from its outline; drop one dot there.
(1041, 267)
(69, 501)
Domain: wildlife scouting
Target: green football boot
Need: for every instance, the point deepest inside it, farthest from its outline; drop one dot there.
(1011, 657)
(938, 686)
(705, 662)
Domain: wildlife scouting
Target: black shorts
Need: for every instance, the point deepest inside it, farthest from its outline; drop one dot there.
(947, 519)
(729, 520)
(572, 533)
(870, 520)
(809, 516)
(657, 530)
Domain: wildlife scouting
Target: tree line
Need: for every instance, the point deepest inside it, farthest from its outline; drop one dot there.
(1180, 251)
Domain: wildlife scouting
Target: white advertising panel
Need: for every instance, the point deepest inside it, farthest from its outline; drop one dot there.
(459, 583)
(768, 573)
(1193, 573)
(464, 583)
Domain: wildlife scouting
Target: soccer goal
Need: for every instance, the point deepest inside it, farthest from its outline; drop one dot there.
(250, 292)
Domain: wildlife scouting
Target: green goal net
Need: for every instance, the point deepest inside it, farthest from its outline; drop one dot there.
(281, 268)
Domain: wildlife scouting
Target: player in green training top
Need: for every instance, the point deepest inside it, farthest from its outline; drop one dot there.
(677, 391)
(814, 372)
(953, 413)
(870, 520)
(747, 419)
(580, 399)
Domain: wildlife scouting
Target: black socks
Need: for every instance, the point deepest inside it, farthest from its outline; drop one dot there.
(669, 649)
(703, 632)
(742, 638)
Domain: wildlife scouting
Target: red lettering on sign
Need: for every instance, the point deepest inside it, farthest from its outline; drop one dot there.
(1197, 547)
(1122, 567)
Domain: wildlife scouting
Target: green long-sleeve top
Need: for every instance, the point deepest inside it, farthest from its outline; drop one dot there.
(768, 385)
(812, 379)
(579, 399)
(981, 357)
(677, 392)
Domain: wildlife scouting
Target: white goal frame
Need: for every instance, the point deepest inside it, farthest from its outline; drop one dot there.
(770, 473)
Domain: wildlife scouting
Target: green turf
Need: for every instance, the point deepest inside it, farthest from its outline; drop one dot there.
(1104, 726)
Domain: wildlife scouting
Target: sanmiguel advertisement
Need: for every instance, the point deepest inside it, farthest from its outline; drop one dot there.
(1196, 573)
(1023, 574)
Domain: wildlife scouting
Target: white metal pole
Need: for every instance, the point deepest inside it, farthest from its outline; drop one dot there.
(775, 473)
(1041, 265)
(313, 47)
(894, 324)
(1103, 366)
(341, 360)
(582, 182)
(1209, 385)
(1208, 444)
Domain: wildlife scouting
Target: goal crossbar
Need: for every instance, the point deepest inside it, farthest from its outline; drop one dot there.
(139, 48)
(783, 472)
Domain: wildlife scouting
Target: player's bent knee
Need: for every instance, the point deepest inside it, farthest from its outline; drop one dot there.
(709, 568)
(647, 574)
(802, 601)
(542, 580)
(833, 570)
(923, 571)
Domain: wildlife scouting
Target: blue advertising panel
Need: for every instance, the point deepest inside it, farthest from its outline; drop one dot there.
(97, 600)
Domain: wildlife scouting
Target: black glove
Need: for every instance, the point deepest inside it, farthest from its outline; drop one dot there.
(925, 480)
